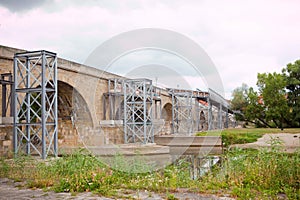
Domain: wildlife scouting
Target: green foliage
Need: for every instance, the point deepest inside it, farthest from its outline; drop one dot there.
(292, 75)
(230, 138)
(272, 90)
(244, 174)
(236, 136)
(4, 168)
(275, 104)
(171, 197)
(239, 101)
(255, 110)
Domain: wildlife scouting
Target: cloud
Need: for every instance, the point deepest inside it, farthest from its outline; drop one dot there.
(24, 5)
(241, 37)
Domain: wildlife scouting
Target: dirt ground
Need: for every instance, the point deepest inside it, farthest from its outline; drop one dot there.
(289, 142)
(16, 190)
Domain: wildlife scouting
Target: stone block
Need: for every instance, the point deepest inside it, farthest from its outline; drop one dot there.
(111, 123)
(7, 120)
(6, 143)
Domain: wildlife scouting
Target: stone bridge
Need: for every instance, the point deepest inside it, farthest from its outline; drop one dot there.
(91, 106)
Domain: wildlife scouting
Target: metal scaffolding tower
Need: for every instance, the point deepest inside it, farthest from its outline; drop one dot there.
(186, 110)
(35, 99)
(182, 112)
(221, 105)
(138, 99)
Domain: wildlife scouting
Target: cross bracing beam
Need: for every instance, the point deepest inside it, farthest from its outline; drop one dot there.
(35, 103)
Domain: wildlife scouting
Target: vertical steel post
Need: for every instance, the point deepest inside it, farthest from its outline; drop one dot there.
(145, 112)
(209, 115)
(43, 101)
(55, 109)
(15, 114)
(11, 96)
(197, 115)
(125, 114)
(27, 101)
(3, 98)
(220, 117)
(173, 112)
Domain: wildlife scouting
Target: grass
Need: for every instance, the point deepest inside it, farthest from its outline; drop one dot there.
(259, 174)
(81, 172)
(245, 135)
(244, 174)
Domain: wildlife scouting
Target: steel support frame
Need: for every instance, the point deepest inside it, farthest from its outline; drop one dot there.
(113, 100)
(6, 79)
(138, 100)
(35, 103)
(182, 112)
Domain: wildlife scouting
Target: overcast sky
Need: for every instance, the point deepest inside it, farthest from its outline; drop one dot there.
(241, 37)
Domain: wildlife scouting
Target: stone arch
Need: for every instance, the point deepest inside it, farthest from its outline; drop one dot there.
(82, 90)
(71, 104)
(73, 115)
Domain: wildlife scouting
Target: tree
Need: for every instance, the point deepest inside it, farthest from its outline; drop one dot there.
(292, 75)
(255, 111)
(277, 101)
(239, 101)
(272, 88)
